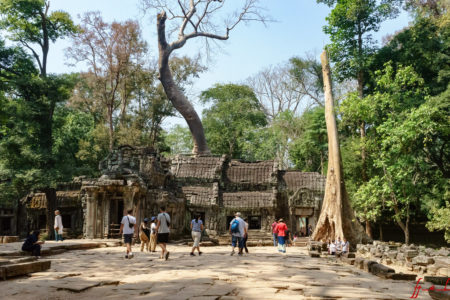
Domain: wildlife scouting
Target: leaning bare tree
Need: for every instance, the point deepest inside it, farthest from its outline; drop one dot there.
(193, 19)
(336, 218)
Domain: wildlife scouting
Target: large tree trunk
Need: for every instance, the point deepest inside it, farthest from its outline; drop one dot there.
(178, 99)
(336, 218)
(50, 194)
(369, 229)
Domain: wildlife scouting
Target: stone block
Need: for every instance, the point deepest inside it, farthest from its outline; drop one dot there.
(443, 252)
(347, 260)
(442, 262)
(409, 266)
(443, 272)
(359, 263)
(373, 251)
(388, 261)
(401, 276)
(367, 264)
(57, 251)
(422, 260)
(392, 254)
(401, 256)
(380, 270)
(10, 239)
(314, 254)
(349, 255)
(439, 295)
(82, 246)
(432, 269)
(26, 268)
(411, 253)
(113, 244)
(439, 280)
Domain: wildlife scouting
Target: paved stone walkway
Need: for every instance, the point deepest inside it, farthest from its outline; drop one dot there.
(103, 273)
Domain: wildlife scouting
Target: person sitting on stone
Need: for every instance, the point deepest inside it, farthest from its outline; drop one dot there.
(345, 246)
(33, 244)
(338, 245)
(144, 235)
(332, 248)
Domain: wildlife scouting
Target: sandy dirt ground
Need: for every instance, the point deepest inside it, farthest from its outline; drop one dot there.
(104, 273)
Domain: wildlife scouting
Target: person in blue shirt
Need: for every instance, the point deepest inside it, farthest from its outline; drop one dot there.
(196, 228)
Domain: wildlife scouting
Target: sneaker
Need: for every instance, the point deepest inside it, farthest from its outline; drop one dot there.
(130, 255)
(166, 257)
(192, 254)
(200, 253)
(232, 253)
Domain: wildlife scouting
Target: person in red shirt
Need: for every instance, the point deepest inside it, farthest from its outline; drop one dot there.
(274, 233)
(281, 233)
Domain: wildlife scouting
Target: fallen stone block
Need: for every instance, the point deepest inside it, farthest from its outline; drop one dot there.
(82, 246)
(113, 244)
(25, 268)
(401, 276)
(443, 272)
(442, 262)
(422, 260)
(443, 252)
(411, 253)
(439, 295)
(22, 260)
(380, 270)
(367, 264)
(314, 254)
(439, 280)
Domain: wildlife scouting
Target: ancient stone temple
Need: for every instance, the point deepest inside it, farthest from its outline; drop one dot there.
(214, 187)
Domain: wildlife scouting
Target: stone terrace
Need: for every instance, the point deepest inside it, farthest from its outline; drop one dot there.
(103, 273)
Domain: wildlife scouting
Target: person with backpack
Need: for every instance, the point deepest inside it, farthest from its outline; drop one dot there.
(196, 228)
(238, 232)
(128, 228)
(162, 229)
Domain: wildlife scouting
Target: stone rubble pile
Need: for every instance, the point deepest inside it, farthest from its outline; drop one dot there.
(418, 259)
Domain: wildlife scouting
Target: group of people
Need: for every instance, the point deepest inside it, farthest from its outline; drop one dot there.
(338, 246)
(157, 232)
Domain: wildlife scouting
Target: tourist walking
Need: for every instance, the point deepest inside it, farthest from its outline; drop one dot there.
(281, 234)
(144, 235)
(310, 230)
(153, 235)
(274, 233)
(237, 231)
(58, 226)
(128, 228)
(33, 244)
(246, 235)
(196, 232)
(162, 229)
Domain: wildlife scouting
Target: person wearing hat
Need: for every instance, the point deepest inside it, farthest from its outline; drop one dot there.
(144, 235)
(281, 230)
(153, 235)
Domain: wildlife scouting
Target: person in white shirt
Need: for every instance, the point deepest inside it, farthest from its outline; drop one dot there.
(128, 228)
(163, 230)
(58, 226)
(332, 248)
(345, 246)
(339, 245)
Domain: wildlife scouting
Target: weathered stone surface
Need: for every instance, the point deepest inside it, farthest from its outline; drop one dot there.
(380, 270)
(401, 256)
(367, 265)
(439, 280)
(422, 260)
(359, 263)
(401, 276)
(57, 251)
(443, 252)
(443, 272)
(439, 295)
(349, 255)
(82, 246)
(411, 253)
(442, 261)
(10, 239)
(392, 254)
(314, 254)
(350, 261)
(26, 268)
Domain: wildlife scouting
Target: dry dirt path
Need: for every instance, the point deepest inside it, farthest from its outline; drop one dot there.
(104, 273)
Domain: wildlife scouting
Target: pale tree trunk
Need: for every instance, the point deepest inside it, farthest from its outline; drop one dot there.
(111, 128)
(178, 99)
(369, 229)
(336, 218)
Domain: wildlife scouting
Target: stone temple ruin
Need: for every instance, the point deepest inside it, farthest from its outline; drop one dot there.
(214, 187)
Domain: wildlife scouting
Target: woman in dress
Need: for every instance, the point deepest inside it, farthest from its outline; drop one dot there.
(281, 233)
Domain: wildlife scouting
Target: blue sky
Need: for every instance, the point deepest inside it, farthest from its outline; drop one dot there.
(297, 31)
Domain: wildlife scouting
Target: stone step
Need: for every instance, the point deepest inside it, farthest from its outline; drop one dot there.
(13, 270)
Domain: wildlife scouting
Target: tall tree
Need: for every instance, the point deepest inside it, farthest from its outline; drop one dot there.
(111, 52)
(336, 217)
(350, 26)
(196, 20)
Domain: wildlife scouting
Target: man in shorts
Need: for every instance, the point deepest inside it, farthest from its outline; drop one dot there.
(237, 237)
(128, 228)
(162, 228)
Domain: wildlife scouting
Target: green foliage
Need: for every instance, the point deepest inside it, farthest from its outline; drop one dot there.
(234, 116)
(441, 220)
(309, 151)
(350, 25)
(179, 140)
